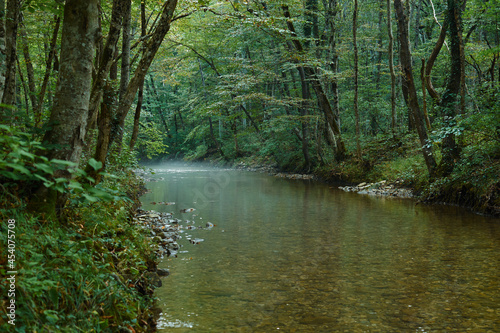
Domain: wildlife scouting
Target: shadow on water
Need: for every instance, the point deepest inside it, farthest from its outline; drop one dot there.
(299, 256)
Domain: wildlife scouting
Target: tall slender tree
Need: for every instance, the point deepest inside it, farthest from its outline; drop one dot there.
(356, 73)
(408, 82)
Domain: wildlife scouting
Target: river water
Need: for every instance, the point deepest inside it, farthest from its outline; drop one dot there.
(302, 256)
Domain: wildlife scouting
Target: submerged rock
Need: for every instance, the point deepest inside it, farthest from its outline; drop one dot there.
(163, 272)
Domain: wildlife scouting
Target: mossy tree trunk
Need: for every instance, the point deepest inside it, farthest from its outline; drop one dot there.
(451, 151)
(68, 118)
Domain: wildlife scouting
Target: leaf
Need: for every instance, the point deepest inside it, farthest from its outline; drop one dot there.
(95, 164)
(90, 198)
(44, 167)
(63, 162)
(41, 178)
(19, 168)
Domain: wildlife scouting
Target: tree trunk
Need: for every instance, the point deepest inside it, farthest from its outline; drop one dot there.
(451, 151)
(424, 97)
(11, 24)
(125, 67)
(106, 60)
(391, 67)
(137, 117)
(356, 70)
(405, 56)
(159, 107)
(23, 84)
(68, 118)
(140, 94)
(150, 50)
(430, 63)
(29, 69)
(3, 65)
(212, 135)
(323, 102)
(306, 96)
(48, 70)
(104, 127)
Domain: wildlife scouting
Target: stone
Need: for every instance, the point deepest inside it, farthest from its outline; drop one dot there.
(163, 272)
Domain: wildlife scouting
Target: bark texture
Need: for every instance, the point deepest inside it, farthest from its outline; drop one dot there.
(68, 118)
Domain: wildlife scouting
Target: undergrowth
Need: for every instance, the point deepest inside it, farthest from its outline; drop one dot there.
(83, 273)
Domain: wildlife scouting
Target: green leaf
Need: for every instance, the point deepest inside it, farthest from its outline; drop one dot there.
(19, 168)
(95, 164)
(75, 185)
(41, 177)
(90, 198)
(63, 162)
(44, 167)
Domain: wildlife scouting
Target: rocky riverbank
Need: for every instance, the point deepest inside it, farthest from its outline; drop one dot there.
(382, 188)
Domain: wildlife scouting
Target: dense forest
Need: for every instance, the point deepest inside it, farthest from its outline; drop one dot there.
(402, 91)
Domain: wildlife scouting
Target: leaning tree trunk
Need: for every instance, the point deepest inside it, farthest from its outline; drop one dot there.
(150, 50)
(68, 118)
(106, 60)
(323, 101)
(405, 58)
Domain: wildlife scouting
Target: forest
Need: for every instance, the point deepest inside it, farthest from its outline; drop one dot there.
(348, 90)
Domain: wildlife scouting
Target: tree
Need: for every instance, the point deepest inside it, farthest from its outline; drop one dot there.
(408, 82)
(451, 151)
(68, 118)
(323, 101)
(356, 74)
(11, 24)
(390, 51)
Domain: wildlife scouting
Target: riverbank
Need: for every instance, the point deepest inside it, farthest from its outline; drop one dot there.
(94, 270)
(395, 168)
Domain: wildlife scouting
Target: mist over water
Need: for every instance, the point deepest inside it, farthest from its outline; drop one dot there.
(300, 256)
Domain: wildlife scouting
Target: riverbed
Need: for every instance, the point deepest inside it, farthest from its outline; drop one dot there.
(302, 256)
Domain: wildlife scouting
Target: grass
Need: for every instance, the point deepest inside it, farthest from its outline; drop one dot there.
(83, 276)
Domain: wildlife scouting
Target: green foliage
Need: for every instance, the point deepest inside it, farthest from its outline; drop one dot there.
(85, 276)
(20, 164)
(150, 142)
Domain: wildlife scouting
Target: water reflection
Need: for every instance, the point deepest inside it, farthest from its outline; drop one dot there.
(299, 256)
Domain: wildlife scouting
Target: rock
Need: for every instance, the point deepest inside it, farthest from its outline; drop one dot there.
(163, 272)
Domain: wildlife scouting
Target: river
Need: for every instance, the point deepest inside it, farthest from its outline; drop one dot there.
(302, 256)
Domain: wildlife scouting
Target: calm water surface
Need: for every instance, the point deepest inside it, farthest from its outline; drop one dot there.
(300, 256)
